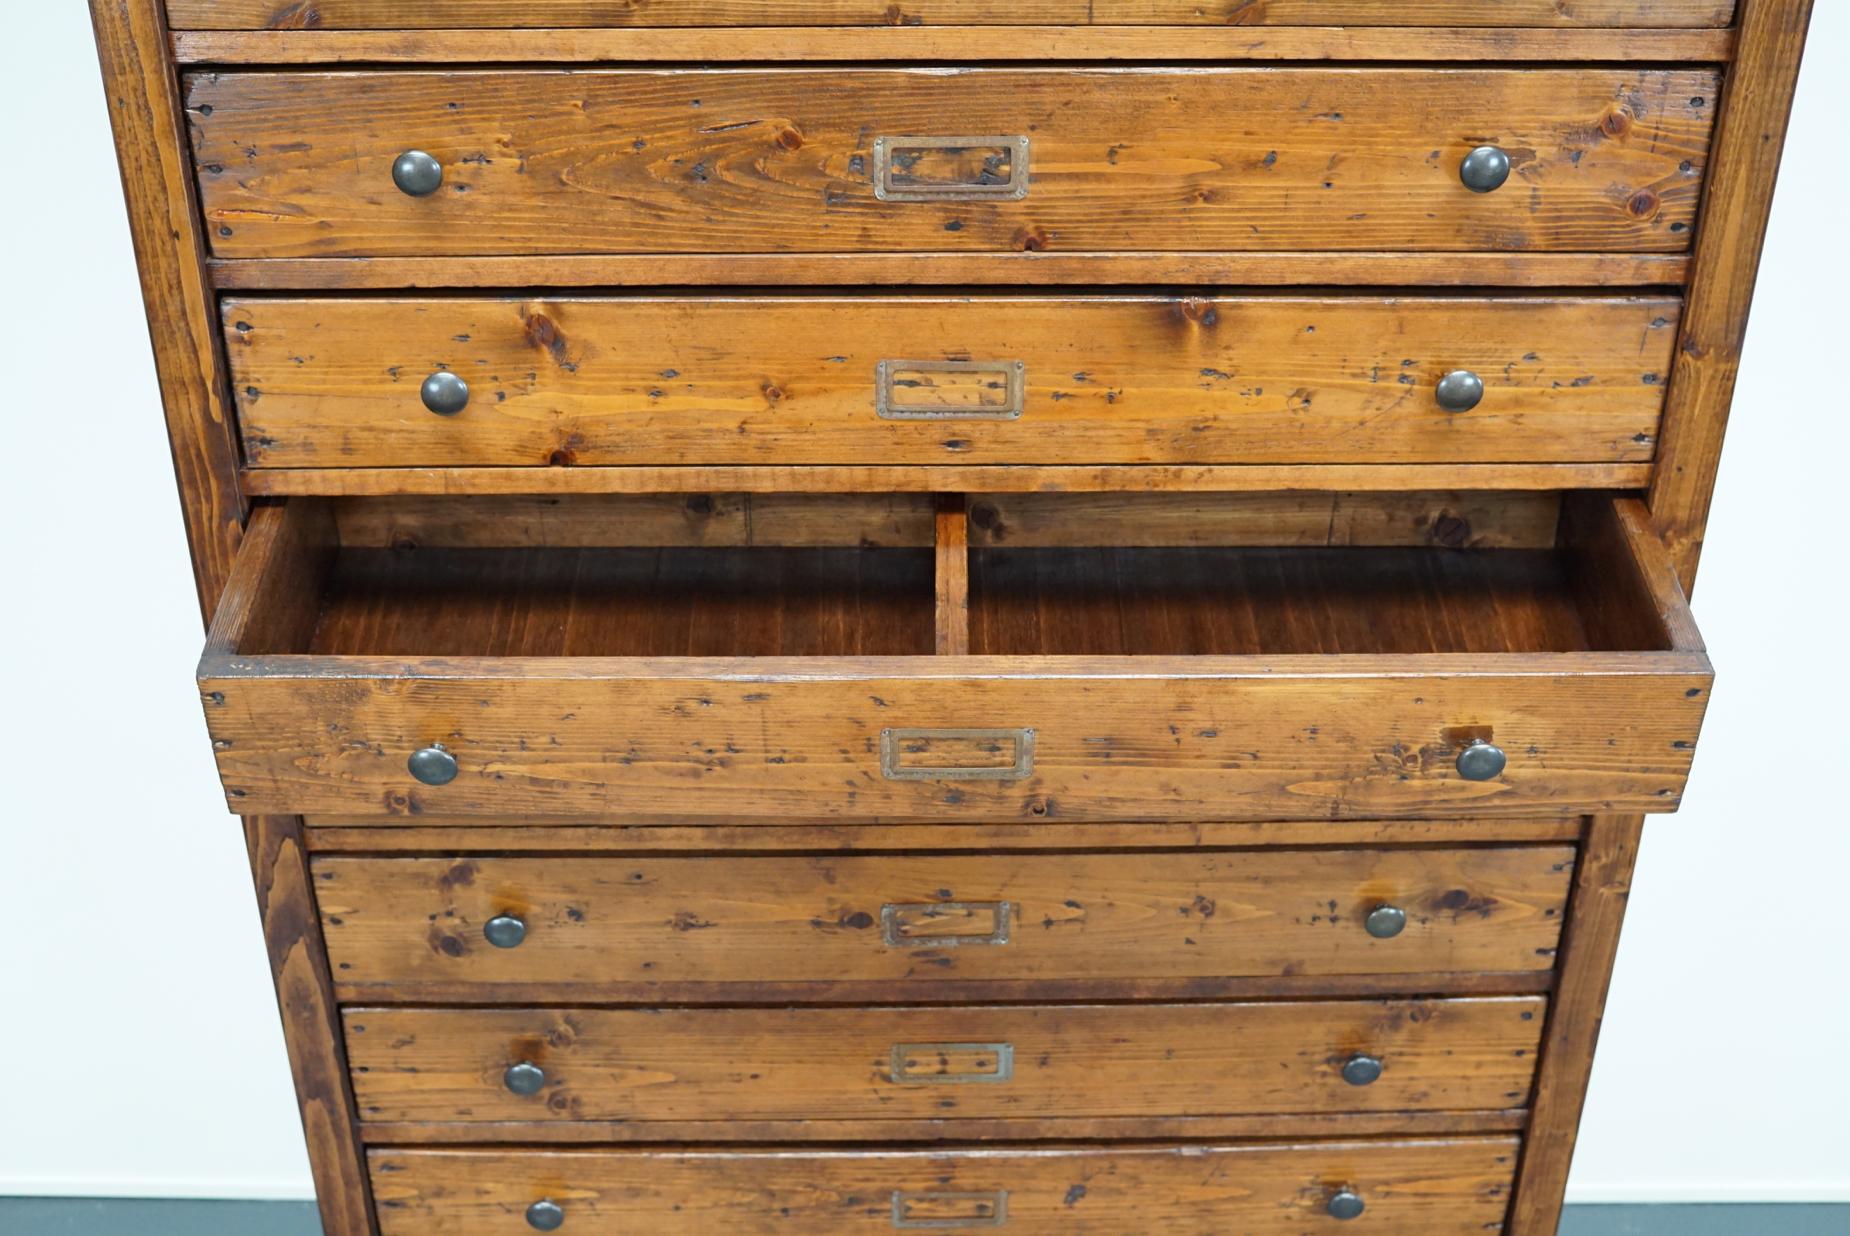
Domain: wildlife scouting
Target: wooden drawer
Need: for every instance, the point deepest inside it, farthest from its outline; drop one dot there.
(1045, 1062)
(416, 929)
(1457, 1187)
(926, 380)
(428, 14)
(923, 160)
(1126, 684)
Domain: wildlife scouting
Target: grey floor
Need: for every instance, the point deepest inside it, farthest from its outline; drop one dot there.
(82, 1217)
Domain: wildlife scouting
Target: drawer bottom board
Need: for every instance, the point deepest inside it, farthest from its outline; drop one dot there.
(1416, 1188)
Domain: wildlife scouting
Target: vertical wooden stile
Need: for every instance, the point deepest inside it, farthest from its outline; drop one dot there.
(953, 574)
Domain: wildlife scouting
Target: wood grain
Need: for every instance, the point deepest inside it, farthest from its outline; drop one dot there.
(1026, 269)
(795, 380)
(1734, 222)
(539, 834)
(1457, 1187)
(328, 728)
(1602, 887)
(952, 547)
(1045, 1061)
(317, 1056)
(1455, 520)
(604, 929)
(1106, 478)
(157, 180)
(436, 14)
(782, 160)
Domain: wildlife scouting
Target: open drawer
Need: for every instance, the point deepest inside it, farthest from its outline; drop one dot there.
(878, 662)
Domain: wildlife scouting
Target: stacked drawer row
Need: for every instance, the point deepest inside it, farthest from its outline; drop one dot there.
(822, 872)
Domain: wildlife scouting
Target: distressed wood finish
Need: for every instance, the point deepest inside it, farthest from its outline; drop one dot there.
(1456, 520)
(621, 929)
(305, 995)
(1026, 269)
(1162, 44)
(783, 161)
(800, 380)
(144, 109)
(1734, 222)
(1050, 1062)
(436, 14)
(1602, 886)
(1457, 1187)
(326, 723)
(1107, 478)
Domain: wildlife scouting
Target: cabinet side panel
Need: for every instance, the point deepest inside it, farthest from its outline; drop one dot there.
(1744, 163)
(151, 146)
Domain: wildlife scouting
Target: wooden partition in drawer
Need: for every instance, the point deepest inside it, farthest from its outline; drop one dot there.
(1122, 684)
(1450, 1187)
(550, 929)
(689, 1067)
(434, 14)
(326, 383)
(854, 160)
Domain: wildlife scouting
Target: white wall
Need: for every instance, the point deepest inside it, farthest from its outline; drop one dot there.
(136, 1017)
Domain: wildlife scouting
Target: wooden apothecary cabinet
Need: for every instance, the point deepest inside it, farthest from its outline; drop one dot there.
(840, 617)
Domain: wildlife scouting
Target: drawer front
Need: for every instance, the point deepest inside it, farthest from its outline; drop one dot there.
(1063, 1061)
(907, 160)
(551, 930)
(426, 14)
(927, 380)
(1070, 738)
(1456, 1187)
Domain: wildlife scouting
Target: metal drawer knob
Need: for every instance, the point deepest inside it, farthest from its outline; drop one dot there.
(434, 765)
(1346, 1204)
(417, 174)
(505, 931)
(1481, 761)
(1484, 169)
(444, 393)
(1360, 1070)
(1385, 922)
(545, 1216)
(524, 1078)
(1458, 391)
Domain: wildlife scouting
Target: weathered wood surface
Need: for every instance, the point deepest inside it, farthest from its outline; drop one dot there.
(1455, 520)
(305, 996)
(1454, 1187)
(904, 478)
(1602, 887)
(799, 380)
(1027, 269)
(321, 15)
(298, 165)
(157, 180)
(1047, 1061)
(1734, 223)
(1363, 734)
(601, 929)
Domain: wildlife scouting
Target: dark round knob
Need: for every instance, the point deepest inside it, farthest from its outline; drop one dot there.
(1484, 169)
(524, 1078)
(444, 393)
(1345, 1204)
(1359, 1070)
(505, 931)
(1458, 391)
(1481, 761)
(433, 765)
(417, 174)
(547, 1216)
(1385, 922)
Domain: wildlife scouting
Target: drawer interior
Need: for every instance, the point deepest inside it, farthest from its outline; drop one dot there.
(1019, 575)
